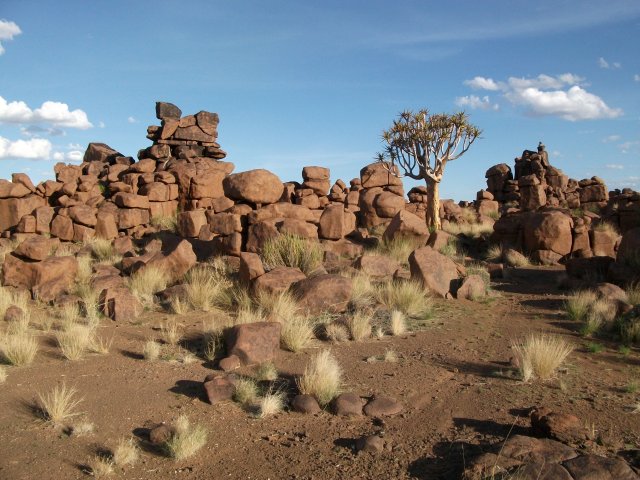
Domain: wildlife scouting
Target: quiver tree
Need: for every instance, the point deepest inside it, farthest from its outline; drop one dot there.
(421, 144)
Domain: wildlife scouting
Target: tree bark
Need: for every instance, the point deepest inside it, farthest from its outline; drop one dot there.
(433, 205)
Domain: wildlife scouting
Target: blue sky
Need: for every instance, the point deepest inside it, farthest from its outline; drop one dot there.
(315, 83)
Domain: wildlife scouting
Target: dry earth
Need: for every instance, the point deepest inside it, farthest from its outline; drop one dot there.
(453, 377)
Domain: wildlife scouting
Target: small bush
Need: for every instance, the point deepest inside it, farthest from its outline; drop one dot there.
(360, 325)
(594, 347)
(289, 250)
(322, 378)
(407, 297)
(146, 282)
(271, 403)
(398, 323)
(18, 348)
(539, 356)
(578, 305)
(59, 404)
(186, 439)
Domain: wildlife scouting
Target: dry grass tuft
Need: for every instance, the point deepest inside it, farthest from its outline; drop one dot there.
(100, 466)
(296, 333)
(207, 288)
(390, 356)
(82, 428)
(601, 314)
(398, 323)
(8, 298)
(171, 332)
(75, 341)
(578, 305)
(271, 403)
(322, 377)
(287, 250)
(246, 391)
(337, 332)
(608, 228)
(360, 325)
(166, 222)
(266, 371)
(104, 251)
(186, 439)
(407, 297)
(494, 254)
(473, 230)
(151, 350)
(363, 292)
(126, 452)
(146, 282)
(633, 293)
(513, 258)
(539, 356)
(3, 374)
(59, 404)
(399, 248)
(248, 315)
(18, 348)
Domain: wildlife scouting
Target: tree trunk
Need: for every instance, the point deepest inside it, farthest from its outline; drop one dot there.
(433, 205)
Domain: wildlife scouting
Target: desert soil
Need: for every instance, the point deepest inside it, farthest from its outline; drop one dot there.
(454, 378)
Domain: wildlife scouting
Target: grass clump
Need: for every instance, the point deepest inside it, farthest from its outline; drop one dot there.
(166, 222)
(539, 356)
(3, 374)
(75, 341)
(100, 466)
(494, 253)
(8, 298)
(363, 292)
(59, 404)
(336, 332)
(271, 403)
(267, 372)
(633, 293)
(126, 452)
(322, 378)
(18, 348)
(151, 350)
(397, 323)
(514, 258)
(171, 332)
(146, 282)
(104, 251)
(607, 227)
(296, 333)
(601, 315)
(246, 391)
(407, 297)
(206, 288)
(399, 248)
(360, 325)
(186, 439)
(578, 305)
(287, 250)
(594, 347)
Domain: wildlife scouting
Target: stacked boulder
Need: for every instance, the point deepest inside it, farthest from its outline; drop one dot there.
(537, 184)
(381, 194)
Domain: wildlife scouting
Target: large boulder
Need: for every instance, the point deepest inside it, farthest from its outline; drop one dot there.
(254, 186)
(379, 174)
(278, 280)
(323, 293)
(119, 304)
(253, 342)
(175, 263)
(437, 272)
(35, 248)
(46, 280)
(377, 266)
(13, 209)
(548, 230)
(628, 251)
(406, 225)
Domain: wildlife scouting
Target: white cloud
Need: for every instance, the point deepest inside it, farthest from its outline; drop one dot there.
(101, 125)
(475, 102)
(54, 113)
(132, 120)
(626, 147)
(615, 166)
(482, 83)
(8, 30)
(75, 156)
(561, 95)
(36, 130)
(34, 148)
(611, 138)
(602, 63)
(636, 78)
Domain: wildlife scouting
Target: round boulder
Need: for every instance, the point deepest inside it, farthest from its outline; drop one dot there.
(254, 186)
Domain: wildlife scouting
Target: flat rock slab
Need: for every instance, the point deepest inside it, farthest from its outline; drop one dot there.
(382, 406)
